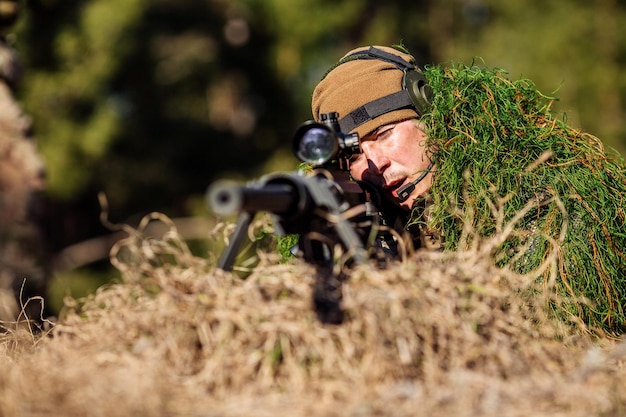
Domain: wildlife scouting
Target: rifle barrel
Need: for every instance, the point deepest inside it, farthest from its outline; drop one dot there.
(228, 199)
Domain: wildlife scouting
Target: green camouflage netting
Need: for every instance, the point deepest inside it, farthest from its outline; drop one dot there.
(504, 162)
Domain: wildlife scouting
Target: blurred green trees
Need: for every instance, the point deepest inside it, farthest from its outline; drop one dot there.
(149, 101)
(572, 49)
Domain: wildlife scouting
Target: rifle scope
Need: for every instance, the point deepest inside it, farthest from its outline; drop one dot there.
(320, 143)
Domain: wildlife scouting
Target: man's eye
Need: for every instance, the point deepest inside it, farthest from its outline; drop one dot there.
(384, 133)
(355, 157)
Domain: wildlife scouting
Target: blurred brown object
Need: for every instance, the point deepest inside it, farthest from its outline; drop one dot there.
(22, 267)
(9, 12)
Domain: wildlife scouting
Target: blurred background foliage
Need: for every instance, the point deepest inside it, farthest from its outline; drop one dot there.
(150, 101)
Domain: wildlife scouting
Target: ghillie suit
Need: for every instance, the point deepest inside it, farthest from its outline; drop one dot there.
(503, 160)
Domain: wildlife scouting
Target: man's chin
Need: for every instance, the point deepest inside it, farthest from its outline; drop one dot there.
(405, 204)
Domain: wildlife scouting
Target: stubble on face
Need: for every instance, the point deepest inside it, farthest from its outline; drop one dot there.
(393, 156)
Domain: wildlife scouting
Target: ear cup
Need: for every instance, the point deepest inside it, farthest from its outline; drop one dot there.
(415, 91)
(420, 92)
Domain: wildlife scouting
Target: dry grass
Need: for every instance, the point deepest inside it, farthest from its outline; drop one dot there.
(441, 334)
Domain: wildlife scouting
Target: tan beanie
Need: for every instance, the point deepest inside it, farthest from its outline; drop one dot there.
(358, 82)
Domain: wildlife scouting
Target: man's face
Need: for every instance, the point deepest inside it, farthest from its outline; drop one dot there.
(393, 156)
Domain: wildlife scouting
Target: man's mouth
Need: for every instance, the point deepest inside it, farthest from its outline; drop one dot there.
(392, 188)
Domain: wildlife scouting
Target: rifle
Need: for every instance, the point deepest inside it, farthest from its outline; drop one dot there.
(328, 211)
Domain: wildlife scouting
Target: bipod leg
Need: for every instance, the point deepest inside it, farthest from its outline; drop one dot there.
(227, 259)
(327, 296)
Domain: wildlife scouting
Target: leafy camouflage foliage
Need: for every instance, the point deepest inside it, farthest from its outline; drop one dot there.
(501, 151)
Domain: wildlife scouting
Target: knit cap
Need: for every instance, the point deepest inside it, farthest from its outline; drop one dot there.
(352, 87)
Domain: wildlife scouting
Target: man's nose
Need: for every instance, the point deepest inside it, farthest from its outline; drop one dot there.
(377, 162)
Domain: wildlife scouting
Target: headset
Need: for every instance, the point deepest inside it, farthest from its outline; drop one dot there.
(416, 93)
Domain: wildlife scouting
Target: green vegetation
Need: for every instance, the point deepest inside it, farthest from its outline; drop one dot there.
(502, 152)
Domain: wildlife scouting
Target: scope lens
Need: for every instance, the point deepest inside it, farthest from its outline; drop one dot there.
(316, 145)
